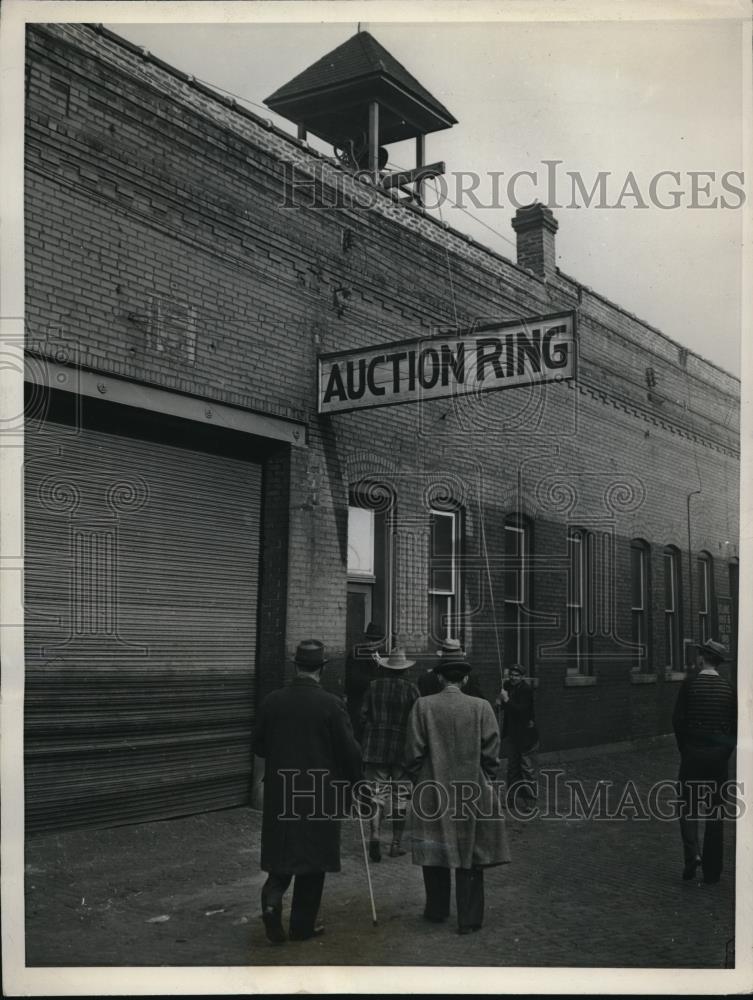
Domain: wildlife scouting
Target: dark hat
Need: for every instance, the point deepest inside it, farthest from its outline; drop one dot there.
(310, 654)
(452, 665)
(516, 667)
(714, 649)
(374, 634)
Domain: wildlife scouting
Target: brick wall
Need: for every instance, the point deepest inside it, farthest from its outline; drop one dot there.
(158, 245)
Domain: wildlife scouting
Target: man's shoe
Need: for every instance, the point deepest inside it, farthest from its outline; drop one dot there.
(375, 850)
(469, 930)
(433, 919)
(273, 925)
(296, 935)
(689, 870)
(396, 851)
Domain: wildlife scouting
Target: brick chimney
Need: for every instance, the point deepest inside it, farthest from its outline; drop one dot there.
(535, 226)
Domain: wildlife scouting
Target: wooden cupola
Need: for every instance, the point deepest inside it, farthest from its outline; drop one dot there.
(359, 98)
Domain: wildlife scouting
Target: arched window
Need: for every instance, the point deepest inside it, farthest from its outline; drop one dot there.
(580, 601)
(640, 602)
(518, 636)
(673, 656)
(706, 623)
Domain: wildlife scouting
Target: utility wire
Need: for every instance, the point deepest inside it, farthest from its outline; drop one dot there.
(465, 211)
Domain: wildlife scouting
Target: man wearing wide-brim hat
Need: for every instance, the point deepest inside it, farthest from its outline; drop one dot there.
(305, 736)
(705, 725)
(384, 717)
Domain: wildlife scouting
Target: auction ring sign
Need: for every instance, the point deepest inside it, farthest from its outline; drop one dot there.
(493, 356)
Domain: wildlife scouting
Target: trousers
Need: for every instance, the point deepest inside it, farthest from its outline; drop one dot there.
(307, 897)
(521, 769)
(701, 797)
(469, 894)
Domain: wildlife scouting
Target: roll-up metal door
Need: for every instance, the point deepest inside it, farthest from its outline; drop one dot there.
(141, 580)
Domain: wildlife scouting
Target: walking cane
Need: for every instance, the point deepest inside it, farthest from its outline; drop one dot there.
(368, 870)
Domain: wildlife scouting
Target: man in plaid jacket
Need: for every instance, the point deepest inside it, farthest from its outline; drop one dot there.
(384, 716)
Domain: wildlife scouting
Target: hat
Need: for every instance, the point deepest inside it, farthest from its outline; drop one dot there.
(396, 660)
(517, 668)
(451, 648)
(454, 665)
(713, 648)
(310, 654)
(374, 634)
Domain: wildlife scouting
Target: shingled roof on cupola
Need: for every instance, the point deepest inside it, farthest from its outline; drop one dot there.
(331, 98)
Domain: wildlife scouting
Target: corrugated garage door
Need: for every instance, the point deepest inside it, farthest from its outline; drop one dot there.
(141, 599)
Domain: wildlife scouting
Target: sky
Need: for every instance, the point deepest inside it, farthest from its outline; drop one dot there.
(640, 97)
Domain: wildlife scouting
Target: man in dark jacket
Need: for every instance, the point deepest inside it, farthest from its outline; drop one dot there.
(705, 724)
(360, 670)
(311, 756)
(519, 734)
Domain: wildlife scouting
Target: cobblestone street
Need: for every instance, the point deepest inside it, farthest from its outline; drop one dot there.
(577, 893)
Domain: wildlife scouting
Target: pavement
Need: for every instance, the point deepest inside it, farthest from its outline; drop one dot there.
(579, 892)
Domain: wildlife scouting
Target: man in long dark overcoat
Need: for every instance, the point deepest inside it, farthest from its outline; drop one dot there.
(311, 757)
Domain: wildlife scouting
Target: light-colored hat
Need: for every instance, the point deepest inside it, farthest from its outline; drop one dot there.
(396, 660)
(451, 647)
(713, 648)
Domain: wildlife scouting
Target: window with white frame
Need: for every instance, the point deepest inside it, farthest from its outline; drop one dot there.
(672, 604)
(705, 597)
(369, 562)
(639, 603)
(444, 574)
(580, 551)
(361, 543)
(517, 593)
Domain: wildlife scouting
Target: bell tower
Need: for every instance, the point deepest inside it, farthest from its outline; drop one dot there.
(359, 99)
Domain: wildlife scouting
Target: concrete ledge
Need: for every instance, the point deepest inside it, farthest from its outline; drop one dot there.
(637, 678)
(579, 680)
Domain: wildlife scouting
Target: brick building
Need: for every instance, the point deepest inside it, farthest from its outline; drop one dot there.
(190, 515)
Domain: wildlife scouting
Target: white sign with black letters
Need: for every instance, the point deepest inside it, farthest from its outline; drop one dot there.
(493, 356)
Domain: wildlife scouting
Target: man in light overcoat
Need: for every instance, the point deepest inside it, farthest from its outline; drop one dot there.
(451, 755)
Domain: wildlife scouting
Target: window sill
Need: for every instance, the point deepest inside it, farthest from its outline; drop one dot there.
(579, 680)
(637, 678)
(674, 675)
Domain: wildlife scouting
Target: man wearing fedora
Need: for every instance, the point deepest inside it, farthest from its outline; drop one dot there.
(386, 708)
(451, 754)
(705, 725)
(360, 670)
(305, 736)
(429, 682)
